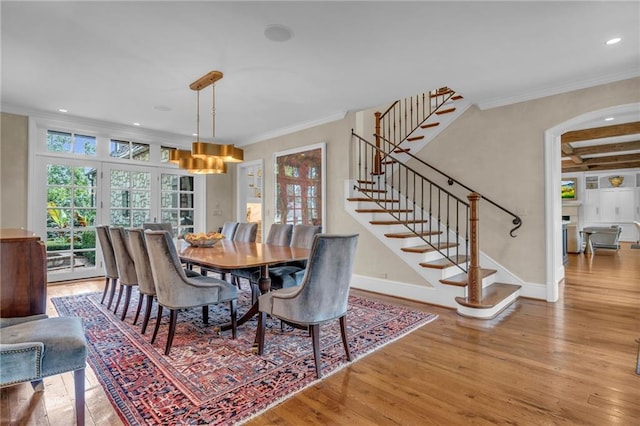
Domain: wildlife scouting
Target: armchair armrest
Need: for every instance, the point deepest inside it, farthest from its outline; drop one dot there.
(21, 362)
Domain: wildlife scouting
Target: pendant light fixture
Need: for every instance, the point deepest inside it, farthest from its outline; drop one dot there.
(205, 157)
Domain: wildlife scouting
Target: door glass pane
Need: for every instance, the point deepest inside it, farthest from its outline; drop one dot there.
(71, 212)
(130, 200)
(177, 204)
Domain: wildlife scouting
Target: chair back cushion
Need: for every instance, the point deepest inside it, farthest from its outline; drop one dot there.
(303, 235)
(110, 267)
(140, 257)
(324, 291)
(246, 232)
(158, 226)
(124, 261)
(280, 234)
(229, 230)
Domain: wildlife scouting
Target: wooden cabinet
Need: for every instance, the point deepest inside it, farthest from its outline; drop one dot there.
(23, 275)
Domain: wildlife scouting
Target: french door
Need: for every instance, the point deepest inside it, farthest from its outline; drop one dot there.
(80, 194)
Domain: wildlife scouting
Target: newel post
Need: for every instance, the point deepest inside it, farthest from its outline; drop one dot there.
(474, 275)
(376, 157)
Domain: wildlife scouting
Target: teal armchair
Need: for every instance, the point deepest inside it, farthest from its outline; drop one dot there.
(37, 346)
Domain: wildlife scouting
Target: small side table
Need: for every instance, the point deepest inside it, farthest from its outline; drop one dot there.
(588, 248)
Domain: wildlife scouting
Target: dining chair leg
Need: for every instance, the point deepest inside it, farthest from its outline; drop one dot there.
(343, 331)
(205, 314)
(147, 314)
(127, 299)
(106, 289)
(233, 307)
(173, 319)
(260, 331)
(114, 284)
(158, 319)
(78, 383)
(315, 338)
(140, 300)
(115, 309)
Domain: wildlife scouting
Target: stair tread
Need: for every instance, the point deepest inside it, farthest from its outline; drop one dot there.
(366, 182)
(444, 262)
(415, 138)
(445, 111)
(396, 222)
(384, 210)
(401, 150)
(426, 248)
(389, 162)
(411, 234)
(371, 190)
(456, 97)
(380, 200)
(426, 126)
(491, 296)
(462, 279)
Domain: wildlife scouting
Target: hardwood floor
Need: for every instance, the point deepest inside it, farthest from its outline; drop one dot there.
(566, 363)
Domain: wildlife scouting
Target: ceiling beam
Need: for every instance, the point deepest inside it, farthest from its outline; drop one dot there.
(612, 147)
(601, 167)
(612, 159)
(601, 132)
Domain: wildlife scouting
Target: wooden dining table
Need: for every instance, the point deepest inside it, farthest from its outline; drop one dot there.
(228, 255)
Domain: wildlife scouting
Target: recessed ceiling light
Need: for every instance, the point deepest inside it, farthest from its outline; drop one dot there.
(609, 119)
(277, 33)
(194, 134)
(613, 41)
(136, 124)
(62, 110)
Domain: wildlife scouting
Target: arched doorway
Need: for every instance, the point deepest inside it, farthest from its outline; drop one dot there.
(553, 207)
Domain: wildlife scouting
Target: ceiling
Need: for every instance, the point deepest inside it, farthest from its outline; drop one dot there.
(126, 62)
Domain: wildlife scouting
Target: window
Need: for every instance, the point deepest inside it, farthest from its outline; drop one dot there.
(299, 186)
(129, 150)
(71, 143)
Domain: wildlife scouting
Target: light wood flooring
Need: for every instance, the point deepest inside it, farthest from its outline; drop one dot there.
(566, 363)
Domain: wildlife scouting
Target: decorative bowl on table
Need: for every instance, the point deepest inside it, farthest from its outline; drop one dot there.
(202, 239)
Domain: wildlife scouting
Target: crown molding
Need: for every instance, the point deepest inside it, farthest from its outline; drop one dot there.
(295, 128)
(550, 91)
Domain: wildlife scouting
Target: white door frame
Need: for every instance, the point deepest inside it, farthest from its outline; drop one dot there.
(241, 199)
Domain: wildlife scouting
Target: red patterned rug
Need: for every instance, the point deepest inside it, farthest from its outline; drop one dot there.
(210, 378)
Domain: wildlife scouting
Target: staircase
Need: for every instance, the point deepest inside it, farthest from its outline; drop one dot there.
(429, 228)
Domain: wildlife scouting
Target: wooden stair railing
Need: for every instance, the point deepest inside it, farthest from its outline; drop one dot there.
(406, 115)
(428, 211)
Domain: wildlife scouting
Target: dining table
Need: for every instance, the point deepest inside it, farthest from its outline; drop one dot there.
(228, 255)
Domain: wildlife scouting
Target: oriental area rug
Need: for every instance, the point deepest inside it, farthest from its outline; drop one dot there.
(209, 378)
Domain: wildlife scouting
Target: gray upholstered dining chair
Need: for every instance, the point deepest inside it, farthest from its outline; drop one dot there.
(321, 297)
(146, 285)
(110, 267)
(126, 267)
(176, 291)
(229, 229)
(280, 235)
(291, 274)
(246, 231)
(36, 346)
(158, 226)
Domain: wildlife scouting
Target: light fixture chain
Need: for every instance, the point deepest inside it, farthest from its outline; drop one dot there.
(198, 119)
(213, 111)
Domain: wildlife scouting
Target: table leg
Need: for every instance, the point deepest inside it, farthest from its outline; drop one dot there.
(588, 249)
(264, 283)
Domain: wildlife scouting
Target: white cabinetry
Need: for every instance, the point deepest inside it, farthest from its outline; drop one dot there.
(605, 204)
(617, 204)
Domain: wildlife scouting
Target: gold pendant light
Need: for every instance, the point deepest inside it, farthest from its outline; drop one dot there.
(205, 157)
